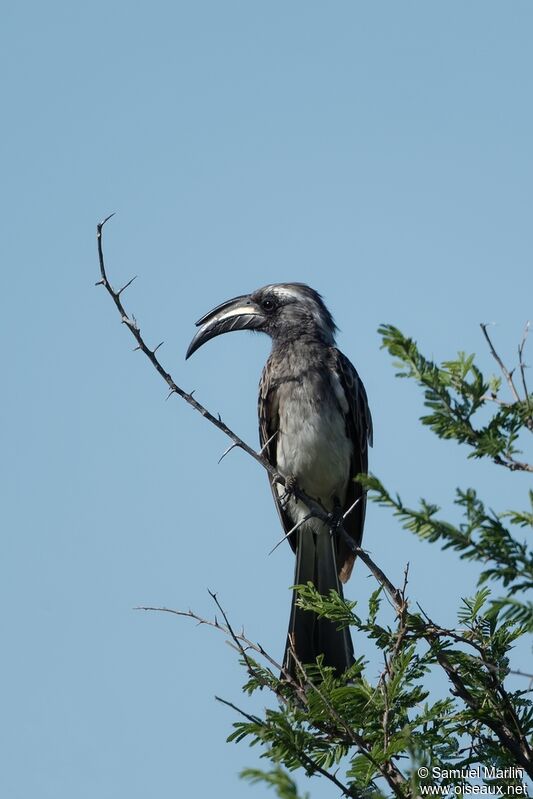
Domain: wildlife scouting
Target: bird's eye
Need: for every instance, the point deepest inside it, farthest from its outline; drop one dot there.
(267, 305)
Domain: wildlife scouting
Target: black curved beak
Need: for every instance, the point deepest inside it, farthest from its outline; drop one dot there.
(240, 313)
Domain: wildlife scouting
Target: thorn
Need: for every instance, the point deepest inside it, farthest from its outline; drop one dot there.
(219, 417)
(126, 286)
(350, 509)
(265, 445)
(101, 224)
(170, 394)
(291, 531)
(136, 348)
(99, 283)
(159, 345)
(192, 393)
(226, 452)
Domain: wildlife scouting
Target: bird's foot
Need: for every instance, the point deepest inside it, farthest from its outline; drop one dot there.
(335, 518)
(290, 488)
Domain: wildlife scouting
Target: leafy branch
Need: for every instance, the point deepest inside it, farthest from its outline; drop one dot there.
(482, 537)
(456, 391)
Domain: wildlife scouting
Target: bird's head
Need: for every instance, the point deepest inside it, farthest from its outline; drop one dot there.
(284, 311)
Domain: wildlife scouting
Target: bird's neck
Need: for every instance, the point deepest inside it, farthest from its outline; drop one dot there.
(305, 341)
(290, 355)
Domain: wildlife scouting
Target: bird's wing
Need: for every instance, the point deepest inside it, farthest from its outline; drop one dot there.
(268, 428)
(359, 431)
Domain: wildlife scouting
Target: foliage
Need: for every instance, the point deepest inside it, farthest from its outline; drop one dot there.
(379, 734)
(455, 393)
(442, 707)
(399, 735)
(371, 738)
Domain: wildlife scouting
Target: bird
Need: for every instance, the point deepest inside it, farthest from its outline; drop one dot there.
(315, 428)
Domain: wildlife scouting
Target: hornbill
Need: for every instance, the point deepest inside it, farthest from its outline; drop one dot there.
(315, 427)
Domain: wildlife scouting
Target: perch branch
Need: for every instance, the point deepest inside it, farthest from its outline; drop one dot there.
(315, 508)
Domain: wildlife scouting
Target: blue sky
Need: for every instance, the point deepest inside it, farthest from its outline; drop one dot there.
(380, 152)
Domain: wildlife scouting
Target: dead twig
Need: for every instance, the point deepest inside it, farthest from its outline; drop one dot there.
(315, 508)
(132, 324)
(506, 373)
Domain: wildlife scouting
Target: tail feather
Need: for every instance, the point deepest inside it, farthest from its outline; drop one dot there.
(308, 634)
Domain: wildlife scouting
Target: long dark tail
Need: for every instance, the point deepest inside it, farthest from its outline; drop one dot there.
(310, 635)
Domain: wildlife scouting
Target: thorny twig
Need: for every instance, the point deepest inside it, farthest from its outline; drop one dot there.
(242, 644)
(133, 326)
(506, 373)
(508, 460)
(240, 641)
(315, 508)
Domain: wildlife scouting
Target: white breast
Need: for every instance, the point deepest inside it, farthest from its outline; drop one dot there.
(312, 443)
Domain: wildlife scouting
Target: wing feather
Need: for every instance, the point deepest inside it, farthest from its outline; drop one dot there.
(359, 430)
(268, 428)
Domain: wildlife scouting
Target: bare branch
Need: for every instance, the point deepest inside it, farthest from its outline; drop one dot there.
(119, 292)
(521, 360)
(131, 323)
(241, 638)
(506, 373)
(512, 464)
(496, 400)
(315, 508)
(394, 593)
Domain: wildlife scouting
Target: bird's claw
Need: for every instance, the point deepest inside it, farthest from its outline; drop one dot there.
(335, 519)
(290, 487)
